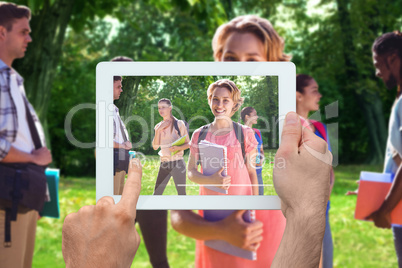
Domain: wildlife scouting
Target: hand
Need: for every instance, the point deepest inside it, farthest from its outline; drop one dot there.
(381, 218)
(173, 148)
(302, 170)
(127, 145)
(355, 192)
(135, 166)
(104, 235)
(240, 233)
(41, 156)
(221, 181)
(163, 125)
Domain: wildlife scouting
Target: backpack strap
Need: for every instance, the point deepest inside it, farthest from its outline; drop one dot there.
(258, 133)
(320, 128)
(238, 129)
(203, 134)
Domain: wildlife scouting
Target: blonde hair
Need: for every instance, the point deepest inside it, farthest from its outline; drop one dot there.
(233, 89)
(262, 28)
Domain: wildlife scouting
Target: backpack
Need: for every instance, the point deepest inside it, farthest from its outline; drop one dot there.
(176, 126)
(238, 129)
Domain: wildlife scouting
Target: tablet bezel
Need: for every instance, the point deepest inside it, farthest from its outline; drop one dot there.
(286, 72)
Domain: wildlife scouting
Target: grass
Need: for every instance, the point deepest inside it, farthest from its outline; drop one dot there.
(356, 243)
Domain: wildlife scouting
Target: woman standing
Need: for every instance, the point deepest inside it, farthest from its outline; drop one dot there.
(172, 164)
(250, 117)
(307, 100)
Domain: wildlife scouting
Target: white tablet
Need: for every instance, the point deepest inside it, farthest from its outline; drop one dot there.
(268, 87)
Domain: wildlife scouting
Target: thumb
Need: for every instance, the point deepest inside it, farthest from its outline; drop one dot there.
(239, 214)
(291, 134)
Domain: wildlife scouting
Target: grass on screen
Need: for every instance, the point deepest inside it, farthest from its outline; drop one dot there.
(356, 243)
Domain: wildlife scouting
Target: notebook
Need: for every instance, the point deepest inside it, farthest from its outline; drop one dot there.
(52, 207)
(178, 142)
(212, 158)
(223, 246)
(373, 188)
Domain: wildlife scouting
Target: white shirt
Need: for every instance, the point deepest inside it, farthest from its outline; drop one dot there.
(23, 140)
(117, 135)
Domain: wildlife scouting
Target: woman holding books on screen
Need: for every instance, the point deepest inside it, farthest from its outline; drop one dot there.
(169, 130)
(245, 38)
(307, 100)
(240, 178)
(249, 117)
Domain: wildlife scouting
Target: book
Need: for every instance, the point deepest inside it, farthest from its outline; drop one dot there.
(223, 246)
(373, 188)
(178, 142)
(52, 207)
(212, 158)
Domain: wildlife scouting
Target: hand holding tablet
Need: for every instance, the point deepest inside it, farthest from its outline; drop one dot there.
(103, 235)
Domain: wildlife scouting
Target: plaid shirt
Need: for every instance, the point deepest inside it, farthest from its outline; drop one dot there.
(8, 111)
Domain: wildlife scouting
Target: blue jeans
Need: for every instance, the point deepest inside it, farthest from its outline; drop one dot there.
(327, 245)
(260, 182)
(397, 231)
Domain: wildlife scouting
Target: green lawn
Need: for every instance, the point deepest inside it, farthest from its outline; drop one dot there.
(356, 243)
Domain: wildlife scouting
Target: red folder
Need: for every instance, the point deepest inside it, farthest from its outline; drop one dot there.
(373, 188)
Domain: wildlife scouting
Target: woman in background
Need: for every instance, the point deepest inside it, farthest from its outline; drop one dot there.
(172, 164)
(307, 100)
(250, 117)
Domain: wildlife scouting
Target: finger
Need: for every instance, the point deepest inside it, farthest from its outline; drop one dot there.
(291, 135)
(313, 141)
(221, 170)
(105, 201)
(131, 192)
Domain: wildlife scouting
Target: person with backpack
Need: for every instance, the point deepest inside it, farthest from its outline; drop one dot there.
(241, 179)
(250, 117)
(172, 164)
(307, 100)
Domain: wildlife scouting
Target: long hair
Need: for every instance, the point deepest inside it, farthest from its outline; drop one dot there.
(262, 28)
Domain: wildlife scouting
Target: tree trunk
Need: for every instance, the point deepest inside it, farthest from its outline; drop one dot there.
(369, 102)
(128, 97)
(39, 65)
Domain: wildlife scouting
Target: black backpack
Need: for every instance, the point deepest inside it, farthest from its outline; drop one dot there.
(238, 129)
(176, 126)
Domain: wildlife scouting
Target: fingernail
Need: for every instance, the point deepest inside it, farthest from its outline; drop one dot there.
(291, 118)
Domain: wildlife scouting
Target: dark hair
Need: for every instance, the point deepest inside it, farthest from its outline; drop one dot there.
(116, 78)
(10, 12)
(121, 58)
(246, 111)
(302, 81)
(388, 43)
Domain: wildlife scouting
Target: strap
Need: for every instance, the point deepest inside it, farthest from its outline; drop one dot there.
(320, 128)
(7, 229)
(258, 133)
(123, 133)
(176, 126)
(201, 137)
(240, 137)
(32, 127)
(238, 133)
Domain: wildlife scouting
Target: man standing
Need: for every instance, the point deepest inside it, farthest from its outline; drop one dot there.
(387, 59)
(120, 137)
(21, 139)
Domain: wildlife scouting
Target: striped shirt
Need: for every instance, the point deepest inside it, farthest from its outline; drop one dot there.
(8, 111)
